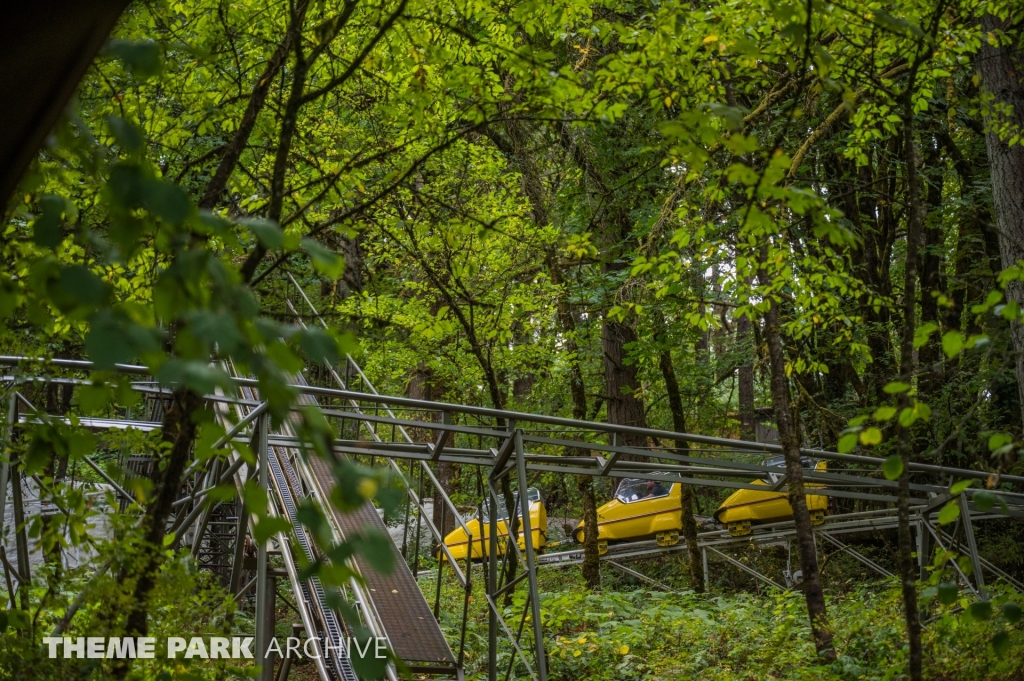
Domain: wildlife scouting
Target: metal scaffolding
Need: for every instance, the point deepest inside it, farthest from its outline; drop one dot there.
(508, 447)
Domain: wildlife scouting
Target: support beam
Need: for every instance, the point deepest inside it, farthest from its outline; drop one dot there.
(236, 563)
(492, 581)
(531, 566)
(262, 455)
(747, 569)
(437, 447)
(972, 547)
(21, 538)
(707, 576)
(5, 461)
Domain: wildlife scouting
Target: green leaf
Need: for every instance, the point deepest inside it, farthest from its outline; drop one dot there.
(923, 332)
(318, 345)
(108, 342)
(255, 498)
(363, 655)
(224, 492)
(949, 513)
(997, 440)
(884, 413)
(77, 287)
(267, 232)
(870, 436)
(1001, 644)
(1011, 611)
(847, 443)
(93, 398)
(952, 343)
(896, 387)
(127, 135)
(215, 328)
(167, 201)
(918, 412)
(46, 229)
(980, 610)
(141, 58)
(378, 550)
(948, 592)
(269, 526)
(325, 261)
(892, 467)
(960, 486)
(984, 500)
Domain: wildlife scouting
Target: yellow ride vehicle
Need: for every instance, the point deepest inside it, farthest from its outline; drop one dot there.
(641, 509)
(748, 507)
(457, 541)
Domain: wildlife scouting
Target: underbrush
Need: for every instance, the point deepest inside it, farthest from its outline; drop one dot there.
(641, 634)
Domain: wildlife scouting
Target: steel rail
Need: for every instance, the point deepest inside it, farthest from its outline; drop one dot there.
(765, 448)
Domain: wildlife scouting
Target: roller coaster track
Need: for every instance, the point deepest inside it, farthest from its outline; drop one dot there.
(510, 446)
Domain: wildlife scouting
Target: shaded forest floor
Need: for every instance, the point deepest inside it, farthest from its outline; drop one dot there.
(632, 633)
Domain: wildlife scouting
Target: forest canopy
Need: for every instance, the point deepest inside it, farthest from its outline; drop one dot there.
(788, 222)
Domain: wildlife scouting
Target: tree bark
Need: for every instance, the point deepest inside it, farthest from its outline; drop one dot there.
(931, 261)
(284, 146)
(745, 378)
(1002, 75)
(178, 431)
(621, 380)
(789, 439)
(515, 145)
(689, 523)
(908, 576)
(233, 152)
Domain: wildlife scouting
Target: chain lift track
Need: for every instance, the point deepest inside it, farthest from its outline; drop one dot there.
(506, 444)
(286, 487)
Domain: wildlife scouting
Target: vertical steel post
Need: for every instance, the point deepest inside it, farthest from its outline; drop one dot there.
(972, 547)
(20, 534)
(209, 480)
(492, 584)
(531, 565)
(707, 577)
(440, 559)
(236, 563)
(923, 547)
(263, 456)
(5, 462)
(21, 539)
(268, 615)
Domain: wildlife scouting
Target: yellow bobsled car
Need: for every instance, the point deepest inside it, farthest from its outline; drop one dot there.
(641, 509)
(457, 541)
(746, 506)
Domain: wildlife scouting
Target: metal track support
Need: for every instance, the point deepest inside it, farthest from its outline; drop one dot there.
(262, 454)
(5, 462)
(531, 565)
(972, 546)
(492, 586)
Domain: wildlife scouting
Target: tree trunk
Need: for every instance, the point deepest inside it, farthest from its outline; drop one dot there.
(675, 403)
(289, 123)
(788, 438)
(908, 576)
(515, 145)
(931, 260)
(178, 430)
(748, 427)
(1002, 75)
(577, 390)
(621, 381)
(233, 152)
